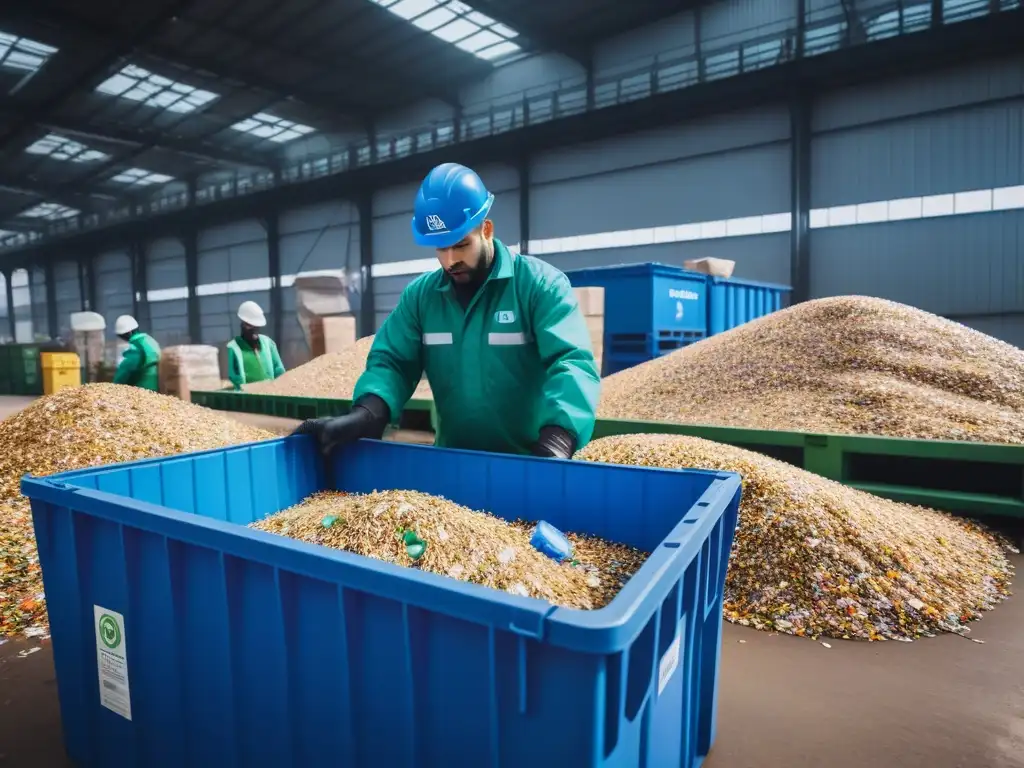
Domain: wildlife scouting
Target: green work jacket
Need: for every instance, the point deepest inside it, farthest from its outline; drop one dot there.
(268, 360)
(139, 367)
(517, 359)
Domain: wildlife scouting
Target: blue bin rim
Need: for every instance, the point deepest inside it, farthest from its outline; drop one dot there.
(749, 283)
(639, 269)
(606, 630)
(670, 270)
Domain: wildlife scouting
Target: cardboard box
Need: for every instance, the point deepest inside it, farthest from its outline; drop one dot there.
(591, 300)
(713, 267)
(189, 367)
(331, 334)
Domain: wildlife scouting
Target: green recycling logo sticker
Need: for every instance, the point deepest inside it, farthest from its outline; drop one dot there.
(110, 633)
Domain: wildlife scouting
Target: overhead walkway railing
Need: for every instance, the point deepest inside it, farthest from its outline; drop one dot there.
(658, 74)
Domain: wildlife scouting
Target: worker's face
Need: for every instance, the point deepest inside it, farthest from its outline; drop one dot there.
(465, 260)
(125, 337)
(249, 332)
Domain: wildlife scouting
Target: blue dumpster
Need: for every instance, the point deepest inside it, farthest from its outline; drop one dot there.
(653, 309)
(182, 637)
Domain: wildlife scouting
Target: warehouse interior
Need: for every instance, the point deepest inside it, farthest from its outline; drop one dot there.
(173, 160)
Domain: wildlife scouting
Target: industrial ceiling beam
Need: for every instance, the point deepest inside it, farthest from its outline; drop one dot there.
(557, 40)
(97, 69)
(102, 38)
(415, 84)
(34, 188)
(155, 139)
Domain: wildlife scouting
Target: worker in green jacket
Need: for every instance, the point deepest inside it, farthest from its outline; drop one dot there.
(252, 356)
(500, 336)
(140, 365)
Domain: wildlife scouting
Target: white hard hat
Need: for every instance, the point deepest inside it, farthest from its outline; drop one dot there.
(125, 324)
(251, 314)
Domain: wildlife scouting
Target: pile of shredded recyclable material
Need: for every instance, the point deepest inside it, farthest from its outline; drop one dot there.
(436, 535)
(77, 428)
(847, 365)
(331, 375)
(815, 558)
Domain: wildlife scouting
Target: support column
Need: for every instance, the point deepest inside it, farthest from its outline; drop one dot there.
(367, 311)
(10, 303)
(271, 223)
(140, 285)
(800, 178)
(801, 28)
(698, 43)
(190, 241)
(937, 19)
(524, 204)
(52, 320)
(591, 86)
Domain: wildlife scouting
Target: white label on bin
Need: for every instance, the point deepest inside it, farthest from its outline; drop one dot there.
(670, 660)
(112, 661)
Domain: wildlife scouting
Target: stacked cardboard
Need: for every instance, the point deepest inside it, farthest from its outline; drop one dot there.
(713, 267)
(331, 334)
(325, 312)
(189, 367)
(591, 301)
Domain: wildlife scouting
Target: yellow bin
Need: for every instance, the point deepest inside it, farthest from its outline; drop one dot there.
(61, 370)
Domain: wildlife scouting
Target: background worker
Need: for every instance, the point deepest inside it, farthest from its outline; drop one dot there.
(140, 365)
(252, 356)
(500, 336)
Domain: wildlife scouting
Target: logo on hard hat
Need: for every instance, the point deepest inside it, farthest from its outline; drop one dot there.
(435, 223)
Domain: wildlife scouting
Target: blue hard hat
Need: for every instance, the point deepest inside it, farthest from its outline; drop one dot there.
(451, 203)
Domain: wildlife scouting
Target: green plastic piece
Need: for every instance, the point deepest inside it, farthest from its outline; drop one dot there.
(414, 545)
(328, 521)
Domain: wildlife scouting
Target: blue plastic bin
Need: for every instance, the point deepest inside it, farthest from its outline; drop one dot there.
(644, 298)
(241, 648)
(732, 302)
(653, 309)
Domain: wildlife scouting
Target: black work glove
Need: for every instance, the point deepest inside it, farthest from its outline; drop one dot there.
(368, 418)
(555, 442)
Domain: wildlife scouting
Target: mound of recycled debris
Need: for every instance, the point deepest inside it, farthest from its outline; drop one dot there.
(812, 557)
(431, 533)
(77, 428)
(850, 365)
(333, 375)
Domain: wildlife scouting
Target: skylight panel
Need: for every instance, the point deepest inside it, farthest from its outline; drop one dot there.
(22, 53)
(141, 177)
(457, 24)
(137, 84)
(277, 129)
(61, 148)
(51, 212)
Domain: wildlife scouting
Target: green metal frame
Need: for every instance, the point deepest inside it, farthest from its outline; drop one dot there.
(418, 413)
(969, 478)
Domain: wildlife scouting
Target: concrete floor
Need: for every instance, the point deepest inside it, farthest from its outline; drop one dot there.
(944, 702)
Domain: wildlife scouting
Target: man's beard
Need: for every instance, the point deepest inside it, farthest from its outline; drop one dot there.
(478, 273)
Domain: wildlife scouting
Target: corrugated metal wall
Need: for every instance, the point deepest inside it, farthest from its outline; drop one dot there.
(234, 254)
(166, 279)
(958, 135)
(68, 294)
(727, 167)
(113, 287)
(313, 239)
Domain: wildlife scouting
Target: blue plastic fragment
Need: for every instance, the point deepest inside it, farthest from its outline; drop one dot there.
(550, 541)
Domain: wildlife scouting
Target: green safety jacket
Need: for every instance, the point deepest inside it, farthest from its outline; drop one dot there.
(140, 365)
(266, 361)
(517, 359)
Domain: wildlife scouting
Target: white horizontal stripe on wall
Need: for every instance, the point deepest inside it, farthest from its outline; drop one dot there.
(953, 204)
(969, 202)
